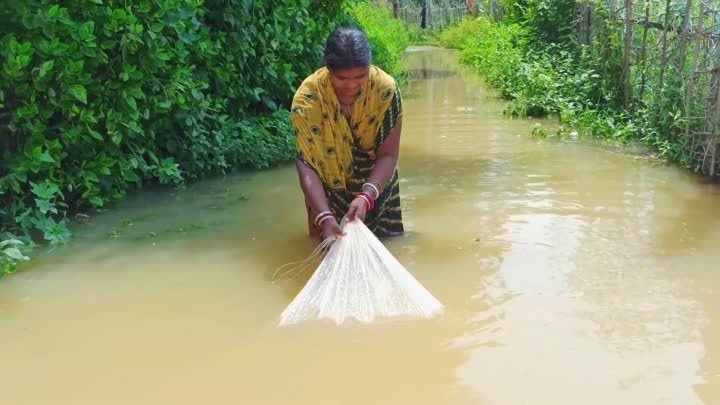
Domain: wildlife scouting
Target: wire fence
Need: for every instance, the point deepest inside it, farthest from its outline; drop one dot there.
(670, 58)
(433, 14)
(671, 65)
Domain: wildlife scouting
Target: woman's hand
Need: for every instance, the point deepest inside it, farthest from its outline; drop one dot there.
(358, 209)
(331, 228)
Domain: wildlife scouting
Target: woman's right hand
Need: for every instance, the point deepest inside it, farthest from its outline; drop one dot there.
(330, 228)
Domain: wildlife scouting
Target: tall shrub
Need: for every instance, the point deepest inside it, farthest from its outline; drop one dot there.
(99, 97)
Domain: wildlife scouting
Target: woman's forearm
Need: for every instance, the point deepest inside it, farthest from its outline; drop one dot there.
(312, 188)
(387, 158)
(383, 171)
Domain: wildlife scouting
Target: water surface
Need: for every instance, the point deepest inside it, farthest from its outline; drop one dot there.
(571, 274)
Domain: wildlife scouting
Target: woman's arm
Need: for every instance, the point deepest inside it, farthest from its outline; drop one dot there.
(312, 187)
(387, 158)
(385, 163)
(315, 195)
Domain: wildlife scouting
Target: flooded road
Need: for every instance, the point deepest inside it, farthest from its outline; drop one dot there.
(570, 275)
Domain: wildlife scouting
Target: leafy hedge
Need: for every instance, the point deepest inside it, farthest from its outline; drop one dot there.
(99, 97)
(536, 63)
(388, 36)
(456, 36)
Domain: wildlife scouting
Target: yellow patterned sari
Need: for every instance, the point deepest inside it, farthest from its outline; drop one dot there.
(343, 152)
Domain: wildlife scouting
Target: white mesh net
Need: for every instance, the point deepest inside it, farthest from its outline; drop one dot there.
(359, 278)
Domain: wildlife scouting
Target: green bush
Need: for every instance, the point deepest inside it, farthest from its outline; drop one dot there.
(534, 59)
(497, 52)
(388, 36)
(100, 97)
(551, 81)
(12, 252)
(421, 36)
(456, 36)
(547, 21)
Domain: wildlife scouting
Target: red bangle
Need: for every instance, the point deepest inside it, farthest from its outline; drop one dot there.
(368, 199)
(322, 216)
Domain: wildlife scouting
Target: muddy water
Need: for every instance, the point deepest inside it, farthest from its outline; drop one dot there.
(571, 274)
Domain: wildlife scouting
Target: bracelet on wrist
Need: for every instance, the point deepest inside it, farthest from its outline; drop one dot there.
(368, 199)
(371, 189)
(322, 217)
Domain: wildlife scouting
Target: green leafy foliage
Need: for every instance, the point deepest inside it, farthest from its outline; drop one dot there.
(547, 21)
(496, 50)
(455, 36)
(12, 252)
(532, 56)
(99, 98)
(389, 37)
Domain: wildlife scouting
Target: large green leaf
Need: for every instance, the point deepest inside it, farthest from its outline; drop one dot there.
(78, 92)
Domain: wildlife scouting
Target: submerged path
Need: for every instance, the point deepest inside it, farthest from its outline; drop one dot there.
(570, 275)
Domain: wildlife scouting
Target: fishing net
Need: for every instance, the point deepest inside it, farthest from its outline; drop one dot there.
(359, 279)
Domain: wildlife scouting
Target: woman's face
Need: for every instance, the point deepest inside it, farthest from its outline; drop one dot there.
(347, 82)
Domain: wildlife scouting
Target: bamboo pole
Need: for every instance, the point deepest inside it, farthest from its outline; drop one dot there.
(684, 38)
(581, 27)
(586, 24)
(714, 137)
(691, 78)
(643, 56)
(663, 59)
(627, 89)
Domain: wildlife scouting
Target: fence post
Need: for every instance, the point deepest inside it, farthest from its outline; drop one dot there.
(583, 24)
(684, 37)
(691, 79)
(589, 23)
(643, 51)
(627, 90)
(663, 59)
(716, 130)
(429, 13)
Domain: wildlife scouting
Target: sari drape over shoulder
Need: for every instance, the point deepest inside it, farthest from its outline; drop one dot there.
(343, 152)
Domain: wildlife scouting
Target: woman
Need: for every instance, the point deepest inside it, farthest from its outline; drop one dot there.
(347, 122)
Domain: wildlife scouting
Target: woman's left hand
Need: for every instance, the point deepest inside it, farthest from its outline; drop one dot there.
(358, 209)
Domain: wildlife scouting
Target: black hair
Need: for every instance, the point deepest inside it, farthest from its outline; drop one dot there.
(347, 48)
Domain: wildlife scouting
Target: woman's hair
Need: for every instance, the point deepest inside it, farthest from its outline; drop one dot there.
(347, 48)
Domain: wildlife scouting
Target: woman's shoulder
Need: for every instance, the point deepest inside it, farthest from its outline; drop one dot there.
(309, 88)
(314, 79)
(381, 78)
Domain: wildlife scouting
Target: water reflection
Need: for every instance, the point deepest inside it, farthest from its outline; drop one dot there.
(430, 73)
(570, 275)
(576, 294)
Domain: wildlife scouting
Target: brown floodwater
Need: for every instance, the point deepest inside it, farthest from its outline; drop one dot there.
(571, 273)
